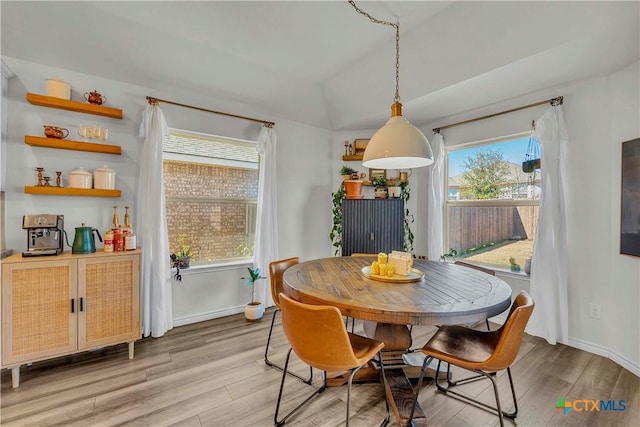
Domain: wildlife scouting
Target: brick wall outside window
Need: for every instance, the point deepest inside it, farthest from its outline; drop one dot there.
(212, 207)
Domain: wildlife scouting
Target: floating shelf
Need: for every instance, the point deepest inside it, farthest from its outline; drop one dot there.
(67, 191)
(352, 157)
(80, 107)
(63, 144)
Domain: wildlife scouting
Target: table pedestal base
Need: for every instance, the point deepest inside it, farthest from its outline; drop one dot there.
(397, 339)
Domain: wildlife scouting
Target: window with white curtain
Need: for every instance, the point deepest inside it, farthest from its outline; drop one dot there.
(211, 191)
(492, 205)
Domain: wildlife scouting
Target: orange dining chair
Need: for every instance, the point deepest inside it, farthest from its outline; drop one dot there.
(479, 268)
(320, 339)
(483, 352)
(276, 271)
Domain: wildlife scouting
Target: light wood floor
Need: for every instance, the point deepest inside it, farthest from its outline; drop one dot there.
(213, 374)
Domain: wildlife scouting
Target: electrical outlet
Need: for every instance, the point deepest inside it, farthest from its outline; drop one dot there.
(595, 311)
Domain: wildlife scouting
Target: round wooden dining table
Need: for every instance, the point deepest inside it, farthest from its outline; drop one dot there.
(446, 294)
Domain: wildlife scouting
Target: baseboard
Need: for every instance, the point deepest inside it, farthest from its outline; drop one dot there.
(201, 317)
(627, 364)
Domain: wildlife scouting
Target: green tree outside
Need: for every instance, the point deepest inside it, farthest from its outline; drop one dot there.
(483, 175)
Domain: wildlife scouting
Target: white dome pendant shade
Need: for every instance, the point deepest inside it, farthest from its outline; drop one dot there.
(397, 145)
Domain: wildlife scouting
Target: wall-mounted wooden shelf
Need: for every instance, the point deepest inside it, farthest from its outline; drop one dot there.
(352, 157)
(80, 107)
(67, 191)
(63, 144)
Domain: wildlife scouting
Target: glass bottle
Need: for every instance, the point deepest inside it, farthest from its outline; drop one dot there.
(115, 218)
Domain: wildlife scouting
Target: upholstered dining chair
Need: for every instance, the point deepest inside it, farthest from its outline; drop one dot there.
(483, 352)
(479, 268)
(276, 271)
(320, 339)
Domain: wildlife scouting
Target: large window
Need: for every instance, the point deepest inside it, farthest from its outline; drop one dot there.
(211, 190)
(492, 205)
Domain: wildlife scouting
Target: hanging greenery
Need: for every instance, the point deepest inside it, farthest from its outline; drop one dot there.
(336, 230)
(405, 194)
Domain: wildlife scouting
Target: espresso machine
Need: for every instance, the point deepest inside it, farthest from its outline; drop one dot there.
(44, 234)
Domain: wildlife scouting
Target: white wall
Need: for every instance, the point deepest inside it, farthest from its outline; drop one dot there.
(303, 156)
(600, 113)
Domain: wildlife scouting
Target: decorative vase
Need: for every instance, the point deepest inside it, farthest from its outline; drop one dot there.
(253, 311)
(527, 265)
(381, 192)
(353, 189)
(183, 262)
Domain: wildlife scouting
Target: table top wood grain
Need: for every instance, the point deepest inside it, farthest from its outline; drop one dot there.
(448, 293)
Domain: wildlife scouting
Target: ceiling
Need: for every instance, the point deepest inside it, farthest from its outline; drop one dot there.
(323, 64)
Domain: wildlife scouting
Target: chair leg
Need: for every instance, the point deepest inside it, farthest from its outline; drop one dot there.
(494, 381)
(284, 375)
(426, 361)
(384, 390)
(469, 379)
(271, 364)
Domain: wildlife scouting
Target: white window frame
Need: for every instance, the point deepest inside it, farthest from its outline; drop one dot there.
(485, 203)
(201, 267)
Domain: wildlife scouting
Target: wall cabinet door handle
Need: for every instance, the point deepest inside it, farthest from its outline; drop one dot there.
(73, 305)
(371, 236)
(81, 304)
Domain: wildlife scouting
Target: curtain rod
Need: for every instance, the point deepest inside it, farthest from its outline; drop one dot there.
(553, 101)
(153, 100)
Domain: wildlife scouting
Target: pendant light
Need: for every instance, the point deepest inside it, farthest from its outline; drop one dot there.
(398, 144)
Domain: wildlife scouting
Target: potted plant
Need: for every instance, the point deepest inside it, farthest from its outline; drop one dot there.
(347, 172)
(254, 309)
(513, 265)
(380, 184)
(182, 257)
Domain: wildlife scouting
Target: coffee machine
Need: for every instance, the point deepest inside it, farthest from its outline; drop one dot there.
(44, 234)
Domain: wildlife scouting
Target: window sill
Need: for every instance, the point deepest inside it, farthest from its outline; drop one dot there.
(515, 274)
(203, 268)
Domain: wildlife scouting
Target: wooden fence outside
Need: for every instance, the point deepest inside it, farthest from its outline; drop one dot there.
(474, 226)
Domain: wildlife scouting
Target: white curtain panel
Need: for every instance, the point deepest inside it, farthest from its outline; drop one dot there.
(151, 225)
(436, 201)
(266, 248)
(548, 286)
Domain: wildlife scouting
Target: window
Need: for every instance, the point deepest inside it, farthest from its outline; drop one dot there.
(492, 205)
(211, 190)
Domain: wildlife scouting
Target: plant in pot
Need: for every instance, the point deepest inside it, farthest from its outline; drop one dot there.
(513, 265)
(380, 184)
(352, 185)
(254, 309)
(347, 172)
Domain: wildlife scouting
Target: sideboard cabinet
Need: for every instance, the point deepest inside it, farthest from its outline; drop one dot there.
(372, 225)
(55, 306)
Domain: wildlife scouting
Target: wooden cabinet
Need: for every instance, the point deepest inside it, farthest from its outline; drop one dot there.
(54, 306)
(372, 225)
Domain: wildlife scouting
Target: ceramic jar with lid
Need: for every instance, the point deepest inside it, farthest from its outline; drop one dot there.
(80, 178)
(58, 88)
(104, 178)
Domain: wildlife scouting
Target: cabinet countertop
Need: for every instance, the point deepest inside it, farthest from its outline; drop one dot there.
(67, 255)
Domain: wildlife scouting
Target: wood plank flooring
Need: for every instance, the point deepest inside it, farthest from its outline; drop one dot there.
(213, 374)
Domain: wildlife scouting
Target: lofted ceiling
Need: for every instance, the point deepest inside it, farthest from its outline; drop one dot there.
(323, 64)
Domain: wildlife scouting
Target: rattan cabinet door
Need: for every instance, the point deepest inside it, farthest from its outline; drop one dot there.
(37, 318)
(109, 292)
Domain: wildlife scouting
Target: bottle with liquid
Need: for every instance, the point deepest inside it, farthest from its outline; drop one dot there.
(127, 221)
(114, 227)
(108, 241)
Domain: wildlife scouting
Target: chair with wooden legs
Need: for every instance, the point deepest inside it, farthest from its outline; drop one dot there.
(276, 270)
(320, 339)
(484, 270)
(483, 352)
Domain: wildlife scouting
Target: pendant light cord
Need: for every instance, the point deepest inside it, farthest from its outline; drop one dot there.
(395, 25)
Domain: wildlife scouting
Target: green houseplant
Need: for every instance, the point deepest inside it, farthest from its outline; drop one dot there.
(347, 172)
(254, 309)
